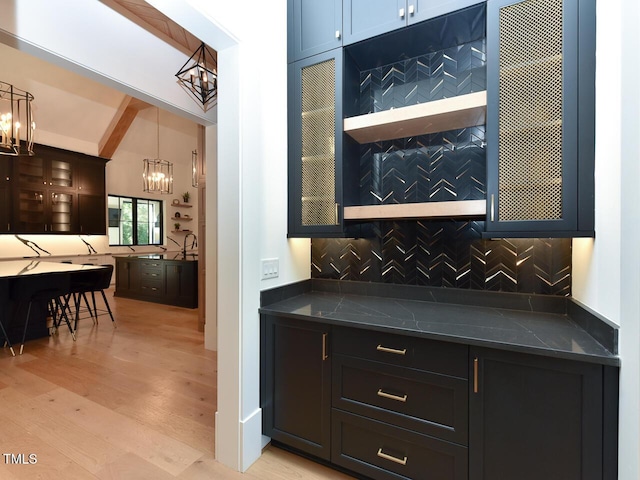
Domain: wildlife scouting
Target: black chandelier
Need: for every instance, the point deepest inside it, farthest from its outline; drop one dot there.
(199, 76)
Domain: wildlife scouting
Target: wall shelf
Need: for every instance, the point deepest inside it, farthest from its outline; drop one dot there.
(181, 205)
(458, 208)
(436, 116)
(182, 219)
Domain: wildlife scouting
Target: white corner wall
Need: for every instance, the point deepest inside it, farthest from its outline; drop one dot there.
(252, 196)
(606, 270)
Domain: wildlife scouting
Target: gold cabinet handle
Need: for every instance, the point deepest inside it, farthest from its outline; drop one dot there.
(324, 347)
(493, 207)
(382, 393)
(337, 214)
(391, 458)
(380, 348)
(475, 375)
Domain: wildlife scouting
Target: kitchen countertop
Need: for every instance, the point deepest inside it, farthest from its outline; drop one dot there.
(174, 256)
(549, 333)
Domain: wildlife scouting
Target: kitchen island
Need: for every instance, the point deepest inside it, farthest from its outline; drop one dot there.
(392, 381)
(168, 278)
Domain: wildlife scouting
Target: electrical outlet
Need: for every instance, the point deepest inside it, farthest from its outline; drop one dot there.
(270, 268)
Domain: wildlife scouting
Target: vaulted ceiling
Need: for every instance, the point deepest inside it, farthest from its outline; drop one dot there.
(68, 104)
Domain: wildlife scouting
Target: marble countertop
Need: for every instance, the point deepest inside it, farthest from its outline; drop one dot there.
(535, 332)
(176, 256)
(20, 268)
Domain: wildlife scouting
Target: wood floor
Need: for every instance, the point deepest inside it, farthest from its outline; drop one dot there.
(136, 402)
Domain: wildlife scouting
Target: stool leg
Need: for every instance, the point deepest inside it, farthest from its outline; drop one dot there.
(26, 324)
(113, 321)
(64, 316)
(7, 342)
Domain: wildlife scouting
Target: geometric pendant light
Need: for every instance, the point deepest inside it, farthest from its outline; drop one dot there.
(199, 76)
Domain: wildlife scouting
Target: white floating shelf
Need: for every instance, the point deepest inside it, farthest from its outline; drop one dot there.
(437, 116)
(462, 208)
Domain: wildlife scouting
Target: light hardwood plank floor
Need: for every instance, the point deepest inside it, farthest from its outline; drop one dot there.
(136, 402)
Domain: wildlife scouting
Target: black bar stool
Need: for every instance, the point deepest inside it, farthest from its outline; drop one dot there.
(102, 281)
(47, 289)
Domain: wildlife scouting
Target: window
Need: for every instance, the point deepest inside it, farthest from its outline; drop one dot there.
(135, 221)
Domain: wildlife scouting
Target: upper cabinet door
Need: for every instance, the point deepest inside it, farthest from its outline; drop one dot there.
(540, 152)
(419, 10)
(364, 19)
(314, 27)
(315, 146)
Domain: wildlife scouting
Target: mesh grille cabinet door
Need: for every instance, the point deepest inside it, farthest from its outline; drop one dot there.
(315, 147)
(533, 123)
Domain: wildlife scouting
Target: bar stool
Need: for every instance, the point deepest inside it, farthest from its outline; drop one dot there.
(102, 281)
(4, 301)
(33, 288)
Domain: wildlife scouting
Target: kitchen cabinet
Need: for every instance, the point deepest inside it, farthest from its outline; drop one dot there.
(58, 191)
(181, 283)
(6, 200)
(533, 417)
(158, 278)
(315, 146)
(540, 118)
(313, 27)
(296, 384)
(92, 216)
(364, 19)
(399, 406)
(127, 276)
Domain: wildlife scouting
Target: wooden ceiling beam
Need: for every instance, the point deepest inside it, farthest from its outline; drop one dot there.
(119, 125)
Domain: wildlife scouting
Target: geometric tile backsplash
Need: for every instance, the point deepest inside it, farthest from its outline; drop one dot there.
(442, 74)
(435, 167)
(446, 254)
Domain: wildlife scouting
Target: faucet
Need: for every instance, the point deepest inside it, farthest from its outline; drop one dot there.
(194, 243)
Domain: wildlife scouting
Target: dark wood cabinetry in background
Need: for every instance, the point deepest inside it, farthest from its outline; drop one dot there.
(6, 174)
(54, 191)
(406, 407)
(158, 280)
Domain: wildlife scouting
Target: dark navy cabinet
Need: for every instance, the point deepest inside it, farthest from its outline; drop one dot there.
(296, 384)
(315, 145)
(533, 417)
(314, 27)
(540, 118)
(363, 19)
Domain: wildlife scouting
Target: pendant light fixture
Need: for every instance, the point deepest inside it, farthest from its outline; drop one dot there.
(16, 121)
(157, 174)
(194, 168)
(199, 76)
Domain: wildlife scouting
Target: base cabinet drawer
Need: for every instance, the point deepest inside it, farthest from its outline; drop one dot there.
(403, 350)
(425, 402)
(381, 451)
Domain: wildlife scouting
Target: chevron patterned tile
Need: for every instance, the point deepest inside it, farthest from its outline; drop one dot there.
(446, 254)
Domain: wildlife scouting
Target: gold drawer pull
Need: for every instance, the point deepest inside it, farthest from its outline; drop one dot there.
(380, 348)
(382, 393)
(381, 454)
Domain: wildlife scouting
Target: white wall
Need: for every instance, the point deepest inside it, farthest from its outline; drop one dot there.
(252, 182)
(606, 271)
